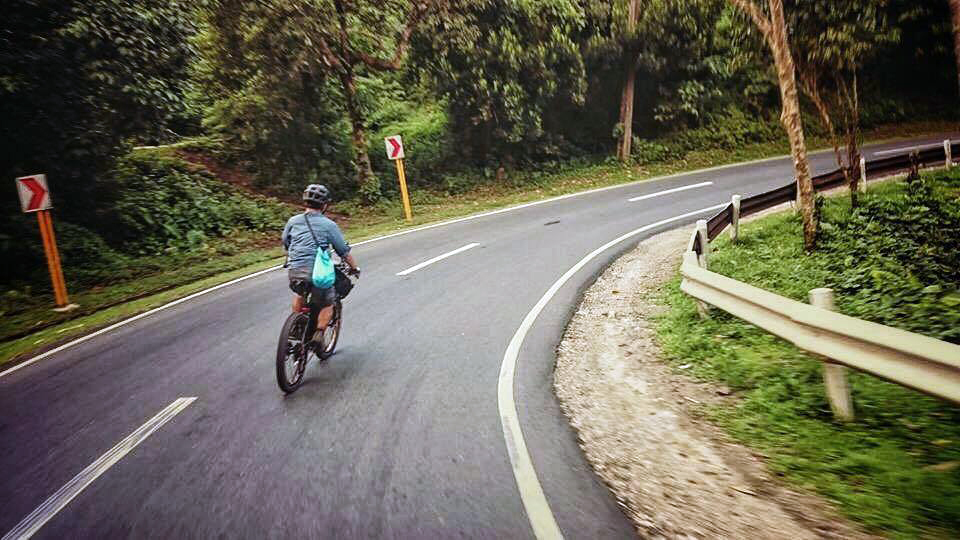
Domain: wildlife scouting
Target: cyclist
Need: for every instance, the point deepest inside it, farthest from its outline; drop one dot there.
(302, 236)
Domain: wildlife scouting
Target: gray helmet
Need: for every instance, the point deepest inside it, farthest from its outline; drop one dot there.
(317, 194)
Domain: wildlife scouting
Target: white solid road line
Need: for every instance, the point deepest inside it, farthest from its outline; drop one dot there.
(907, 149)
(669, 191)
(534, 501)
(32, 523)
(392, 235)
(437, 258)
(132, 319)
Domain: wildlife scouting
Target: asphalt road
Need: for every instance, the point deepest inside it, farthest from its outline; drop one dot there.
(398, 435)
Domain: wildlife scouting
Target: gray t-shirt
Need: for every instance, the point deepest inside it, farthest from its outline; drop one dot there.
(300, 245)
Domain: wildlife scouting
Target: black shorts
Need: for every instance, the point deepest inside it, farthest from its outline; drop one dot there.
(301, 283)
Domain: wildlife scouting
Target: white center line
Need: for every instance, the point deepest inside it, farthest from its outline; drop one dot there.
(907, 149)
(668, 191)
(437, 258)
(32, 523)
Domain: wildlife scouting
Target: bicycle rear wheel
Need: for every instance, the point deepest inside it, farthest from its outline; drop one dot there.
(292, 352)
(332, 334)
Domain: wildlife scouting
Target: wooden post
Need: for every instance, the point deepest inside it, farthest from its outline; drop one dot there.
(863, 174)
(948, 158)
(735, 219)
(403, 190)
(702, 307)
(53, 258)
(834, 375)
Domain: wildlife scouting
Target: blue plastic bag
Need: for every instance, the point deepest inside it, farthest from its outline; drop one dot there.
(324, 275)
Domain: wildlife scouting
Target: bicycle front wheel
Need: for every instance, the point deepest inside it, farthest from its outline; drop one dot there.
(292, 352)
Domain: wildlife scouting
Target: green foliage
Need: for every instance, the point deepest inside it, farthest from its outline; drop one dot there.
(426, 140)
(161, 208)
(166, 204)
(78, 78)
(275, 117)
(902, 263)
(890, 261)
(730, 130)
(501, 66)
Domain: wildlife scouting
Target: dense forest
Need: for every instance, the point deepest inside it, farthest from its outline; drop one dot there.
(300, 91)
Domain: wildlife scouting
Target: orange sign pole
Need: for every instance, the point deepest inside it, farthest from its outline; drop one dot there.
(53, 258)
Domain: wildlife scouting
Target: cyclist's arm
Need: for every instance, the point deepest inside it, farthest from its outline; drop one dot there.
(285, 237)
(349, 259)
(336, 239)
(341, 246)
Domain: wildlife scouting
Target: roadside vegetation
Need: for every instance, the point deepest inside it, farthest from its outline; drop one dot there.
(176, 135)
(894, 260)
(242, 228)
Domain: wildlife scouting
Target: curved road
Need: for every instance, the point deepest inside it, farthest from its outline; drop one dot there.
(399, 435)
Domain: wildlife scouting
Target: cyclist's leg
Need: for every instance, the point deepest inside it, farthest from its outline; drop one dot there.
(324, 298)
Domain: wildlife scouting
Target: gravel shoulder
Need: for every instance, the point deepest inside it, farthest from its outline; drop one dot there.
(638, 421)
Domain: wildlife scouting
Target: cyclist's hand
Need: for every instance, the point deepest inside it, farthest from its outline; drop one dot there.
(355, 271)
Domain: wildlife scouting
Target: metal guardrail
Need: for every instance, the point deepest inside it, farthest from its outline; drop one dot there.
(926, 364)
(874, 169)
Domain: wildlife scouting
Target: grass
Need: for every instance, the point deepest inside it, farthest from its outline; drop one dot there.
(19, 348)
(526, 186)
(896, 469)
(362, 222)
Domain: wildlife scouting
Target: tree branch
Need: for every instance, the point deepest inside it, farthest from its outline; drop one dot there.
(413, 19)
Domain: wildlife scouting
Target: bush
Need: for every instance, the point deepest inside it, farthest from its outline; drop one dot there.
(645, 151)
(153, 206)
(893, 261)
(426, 144)
(896, 259)
(164, 203)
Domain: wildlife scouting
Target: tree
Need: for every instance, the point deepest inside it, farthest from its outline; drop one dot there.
(503, 68)
(773, 27)
(340, 38)
(642, 35)
(77, 79)
(832, 41)
(955, 19)
(271, 110)
(631, 61)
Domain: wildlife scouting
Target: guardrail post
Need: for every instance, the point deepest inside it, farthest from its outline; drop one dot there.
(863, 174)
(702, 307)
(735, 218)
(704, 242)
(948, 159)
(834, 375)
(690, 257)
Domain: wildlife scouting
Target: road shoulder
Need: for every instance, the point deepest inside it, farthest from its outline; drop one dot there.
(640, 426)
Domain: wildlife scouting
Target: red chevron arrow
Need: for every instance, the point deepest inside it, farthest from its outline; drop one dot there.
(36, 200)
(396, 147)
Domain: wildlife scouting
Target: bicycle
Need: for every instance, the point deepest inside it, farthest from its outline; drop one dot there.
(296, 337)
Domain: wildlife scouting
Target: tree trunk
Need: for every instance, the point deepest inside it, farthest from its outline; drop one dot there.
(367, 182)
(850, 98)
(630, 77)
(955, 17)
(626, 113)
(790, 117)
